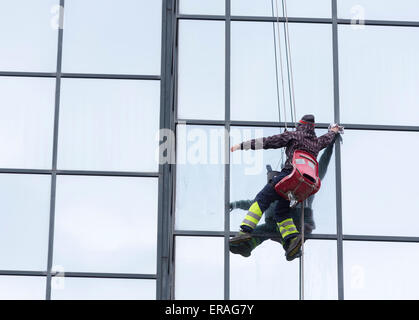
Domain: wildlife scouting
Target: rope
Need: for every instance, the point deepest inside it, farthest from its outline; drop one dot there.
(302, 253)
(276, 74)
(289, 64)
(292, 104)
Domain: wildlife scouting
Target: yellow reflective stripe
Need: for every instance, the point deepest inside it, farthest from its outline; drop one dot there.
(286, 222)
(287, 227)
(256, 209)
(286, 233)
(250, 218)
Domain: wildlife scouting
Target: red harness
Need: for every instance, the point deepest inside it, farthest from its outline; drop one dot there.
(304, 179)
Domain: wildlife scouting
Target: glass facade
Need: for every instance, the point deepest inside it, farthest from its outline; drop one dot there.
(96, 95)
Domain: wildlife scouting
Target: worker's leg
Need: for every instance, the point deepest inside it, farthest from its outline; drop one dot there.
(288, 229)
(262, 202)
(245, 248)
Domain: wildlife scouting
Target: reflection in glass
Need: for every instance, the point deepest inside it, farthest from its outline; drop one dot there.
(22, 288)
(24, 214)
(102, 289)
(379, 75)
(295, 8)
(380, 270)
(106, 224)
(213, 7)
(320, 270)
(375, 201)
(378, 9)
(27, 122)
(249, 176)
(264, 275)
(29, 37)
(199, 264)
(201, 79)
(104, 36)
(109, 125)
(200, 178)
(253, 79)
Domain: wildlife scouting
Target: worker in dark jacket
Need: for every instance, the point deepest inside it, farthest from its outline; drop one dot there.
(303, 138)
(269, 229)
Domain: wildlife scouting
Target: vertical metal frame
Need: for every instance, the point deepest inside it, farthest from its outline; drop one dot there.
(166, 181)
(227, 152)
(55, 150)
(338, 168)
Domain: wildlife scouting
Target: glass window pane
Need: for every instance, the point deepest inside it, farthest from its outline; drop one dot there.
(30, 43)
(106, 224)
(102, 289)
(265, 275)
(212, 7)
(200, 178)
(104, 36)
(295, 8)
(22, 288)
(378, 75)
(109, 125)
(375, 200)
(27, 122)
(320, 270)
(253, 78)
(24, 229)
(380, 270)
(201, 78)
(248, 177)
(199, 264)
(378, 9)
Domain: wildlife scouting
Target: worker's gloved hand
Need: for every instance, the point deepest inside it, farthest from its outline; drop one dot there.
(337, 128)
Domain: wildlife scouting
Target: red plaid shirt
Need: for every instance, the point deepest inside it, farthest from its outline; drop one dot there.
(304, 138)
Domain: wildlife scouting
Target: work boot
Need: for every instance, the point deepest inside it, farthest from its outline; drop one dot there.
(241, 237)
(242, 249)
(292, 249)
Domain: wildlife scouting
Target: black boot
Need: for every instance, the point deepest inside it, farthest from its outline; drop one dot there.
(292, 248)
(241, 237)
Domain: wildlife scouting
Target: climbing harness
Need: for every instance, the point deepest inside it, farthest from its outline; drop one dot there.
(303, 181)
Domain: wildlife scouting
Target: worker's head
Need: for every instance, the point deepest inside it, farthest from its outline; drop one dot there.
(308, 119)
(306, 123)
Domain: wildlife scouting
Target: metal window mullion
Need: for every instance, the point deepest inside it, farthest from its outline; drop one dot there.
(55, 152)
(226, 151)
(338, 169)
(164, 225)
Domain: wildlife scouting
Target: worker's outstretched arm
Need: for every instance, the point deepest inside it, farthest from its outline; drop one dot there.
(272, 142)
(328, 138)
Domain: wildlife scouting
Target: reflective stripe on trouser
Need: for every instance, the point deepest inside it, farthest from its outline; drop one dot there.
(287, 228)
(253, 216)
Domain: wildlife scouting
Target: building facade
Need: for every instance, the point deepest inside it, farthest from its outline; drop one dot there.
(118, 117)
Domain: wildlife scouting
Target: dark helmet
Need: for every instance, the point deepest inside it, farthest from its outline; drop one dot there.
(307, 119)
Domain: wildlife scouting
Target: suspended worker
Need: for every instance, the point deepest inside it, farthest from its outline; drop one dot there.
(303, 138)
(269, 229)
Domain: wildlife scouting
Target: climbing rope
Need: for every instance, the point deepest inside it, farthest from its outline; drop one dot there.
(302, 253)
(291, 93)
(289, 64)
(278, 44)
